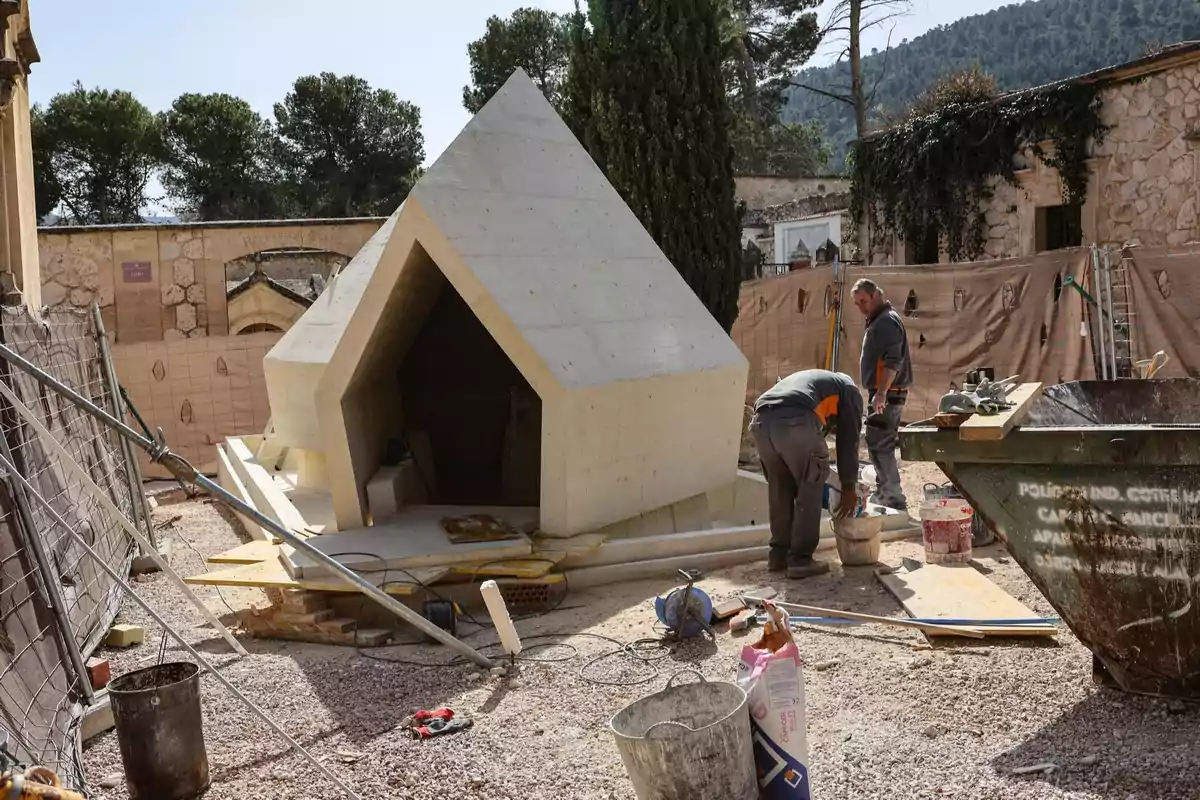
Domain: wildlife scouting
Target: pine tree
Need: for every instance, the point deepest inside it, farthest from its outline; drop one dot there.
(646, 95)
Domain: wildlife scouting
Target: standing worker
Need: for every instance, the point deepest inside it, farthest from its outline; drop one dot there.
(886, 373)
(789, 425)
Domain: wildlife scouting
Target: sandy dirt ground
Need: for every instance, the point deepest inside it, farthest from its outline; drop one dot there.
(889, 716)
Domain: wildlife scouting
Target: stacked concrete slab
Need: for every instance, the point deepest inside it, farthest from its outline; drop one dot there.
(641, 389)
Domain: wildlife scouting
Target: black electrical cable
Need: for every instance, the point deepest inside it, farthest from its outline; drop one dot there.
(634, 650)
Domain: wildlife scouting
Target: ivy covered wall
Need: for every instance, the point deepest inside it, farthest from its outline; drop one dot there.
(1126, 153)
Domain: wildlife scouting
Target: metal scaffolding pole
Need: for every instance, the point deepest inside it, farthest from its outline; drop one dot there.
(8, 465)
(186, 473)
(133, 470)
(98, 494)
(46, 572)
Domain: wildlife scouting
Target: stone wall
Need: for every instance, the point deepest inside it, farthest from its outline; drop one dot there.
(161, 290)
(1147, 182)
(167, 282)
(763, 191)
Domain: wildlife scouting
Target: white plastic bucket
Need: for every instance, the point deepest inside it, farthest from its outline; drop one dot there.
(946, 530)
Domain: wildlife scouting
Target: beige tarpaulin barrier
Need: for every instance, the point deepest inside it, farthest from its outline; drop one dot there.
(783, 325)
(1165, 288)
(1013, 315)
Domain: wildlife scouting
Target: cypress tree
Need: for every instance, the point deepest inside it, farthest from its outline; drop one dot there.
(646, 95)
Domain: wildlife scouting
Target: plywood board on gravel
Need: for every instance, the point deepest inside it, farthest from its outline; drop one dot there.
(413, 538)
(271, 574)
(959, 591)
(249, 553)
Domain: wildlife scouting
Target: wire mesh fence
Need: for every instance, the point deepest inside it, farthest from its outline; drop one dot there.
(56, 603)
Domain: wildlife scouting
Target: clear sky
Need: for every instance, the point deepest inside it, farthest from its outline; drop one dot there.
(159, 49)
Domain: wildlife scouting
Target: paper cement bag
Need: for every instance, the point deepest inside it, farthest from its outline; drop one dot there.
(770, 672)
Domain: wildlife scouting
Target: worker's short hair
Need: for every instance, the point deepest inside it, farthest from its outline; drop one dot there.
(867, 285)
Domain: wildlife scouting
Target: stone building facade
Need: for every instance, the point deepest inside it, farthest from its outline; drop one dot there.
(1143, 188)
(18, 212)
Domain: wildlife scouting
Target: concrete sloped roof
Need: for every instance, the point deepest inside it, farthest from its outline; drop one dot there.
(539, 225)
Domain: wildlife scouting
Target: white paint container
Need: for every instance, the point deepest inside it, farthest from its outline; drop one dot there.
(500, 618)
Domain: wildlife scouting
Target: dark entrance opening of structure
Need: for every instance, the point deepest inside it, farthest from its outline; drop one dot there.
(471, 420)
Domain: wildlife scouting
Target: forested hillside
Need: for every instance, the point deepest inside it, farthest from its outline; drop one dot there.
(1021, 45)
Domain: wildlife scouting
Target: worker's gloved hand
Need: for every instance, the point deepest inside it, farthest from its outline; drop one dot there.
(848, 505)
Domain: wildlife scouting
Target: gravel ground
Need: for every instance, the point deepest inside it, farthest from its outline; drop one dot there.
(888, 716)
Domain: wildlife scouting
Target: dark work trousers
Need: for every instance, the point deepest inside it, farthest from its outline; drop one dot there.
(881, 445)
(795, 459)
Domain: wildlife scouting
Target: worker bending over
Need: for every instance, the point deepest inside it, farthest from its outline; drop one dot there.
(789, 426)
(886, 372)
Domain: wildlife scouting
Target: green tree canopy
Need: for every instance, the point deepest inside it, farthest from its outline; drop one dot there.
(349, 150)
(1022, 44)
(95, 155)
(964, 87)
(46, 190)
(535, 40)
(762, 43)
(218, 158)
(647, 97)
(765, 42)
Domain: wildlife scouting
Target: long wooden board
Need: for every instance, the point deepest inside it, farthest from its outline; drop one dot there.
(271, 574)
(249, 553)
(959, 591)
(993, 427)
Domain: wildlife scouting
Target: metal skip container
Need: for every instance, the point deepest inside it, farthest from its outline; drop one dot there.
(1097, 495)
(160, 731)
(688, 742)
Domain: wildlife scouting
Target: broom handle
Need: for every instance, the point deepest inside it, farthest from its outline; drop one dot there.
(898, 623)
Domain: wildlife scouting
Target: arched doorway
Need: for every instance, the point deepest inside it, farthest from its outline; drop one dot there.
(259, 327)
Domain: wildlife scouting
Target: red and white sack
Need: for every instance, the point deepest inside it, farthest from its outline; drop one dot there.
(771, 674)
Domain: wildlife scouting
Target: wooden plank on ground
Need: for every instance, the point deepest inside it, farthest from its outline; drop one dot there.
(271, 574)
(959, 591)
(992, 427)
(249, 553)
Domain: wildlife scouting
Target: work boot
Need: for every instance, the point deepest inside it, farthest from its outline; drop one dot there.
(807, 568)
(777, 561)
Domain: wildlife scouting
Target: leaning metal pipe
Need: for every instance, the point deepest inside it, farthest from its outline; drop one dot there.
(112, 573)
(186, 473)
(1100, 320)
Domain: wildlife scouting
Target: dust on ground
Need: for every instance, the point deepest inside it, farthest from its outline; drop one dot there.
(888, 716)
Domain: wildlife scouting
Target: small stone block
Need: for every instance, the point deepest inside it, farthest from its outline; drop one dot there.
(144, 564)
(125, 636)
(99, 672)
(303, 602)
(339, 625)
(371, 637)
(304, 619)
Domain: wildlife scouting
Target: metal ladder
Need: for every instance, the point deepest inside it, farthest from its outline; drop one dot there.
(1116, 315)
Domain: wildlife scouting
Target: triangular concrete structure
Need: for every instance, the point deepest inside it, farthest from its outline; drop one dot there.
(641, 391)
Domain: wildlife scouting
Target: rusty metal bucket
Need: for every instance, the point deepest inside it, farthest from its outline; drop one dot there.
(160, 731)
(1097, 495)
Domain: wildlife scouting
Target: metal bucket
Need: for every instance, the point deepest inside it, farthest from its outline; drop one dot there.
(688, 742)
(160, 731)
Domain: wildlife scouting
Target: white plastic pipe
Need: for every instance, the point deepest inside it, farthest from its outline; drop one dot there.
(500, 618)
